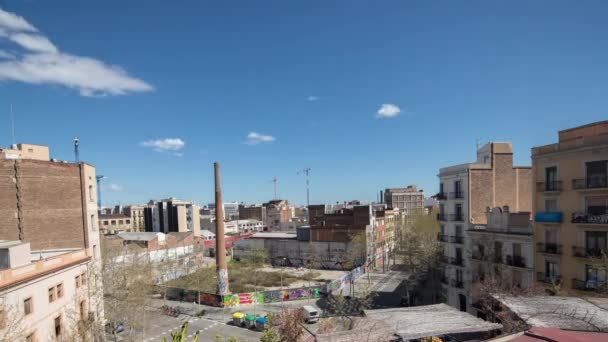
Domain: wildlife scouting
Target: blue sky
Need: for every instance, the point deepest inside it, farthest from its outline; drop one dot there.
(308, 78)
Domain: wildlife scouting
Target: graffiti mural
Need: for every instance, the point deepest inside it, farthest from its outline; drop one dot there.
(210, 299)
(245, 298)
(222, 281)
(303, 293)
(273, 296)
(231, 301)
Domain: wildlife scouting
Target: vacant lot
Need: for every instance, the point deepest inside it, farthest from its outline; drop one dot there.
(247, 278)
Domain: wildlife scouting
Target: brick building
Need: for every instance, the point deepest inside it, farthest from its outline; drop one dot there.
(465, 191)
(50, 247)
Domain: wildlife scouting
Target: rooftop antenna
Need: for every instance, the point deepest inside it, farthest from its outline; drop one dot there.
(76, 157)
(275, 180)
(12, 124)
(306, 171)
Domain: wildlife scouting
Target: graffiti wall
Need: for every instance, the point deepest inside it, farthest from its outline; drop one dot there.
(210, 299)
(276, 296)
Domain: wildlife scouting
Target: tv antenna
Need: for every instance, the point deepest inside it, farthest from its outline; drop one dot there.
(306, 171)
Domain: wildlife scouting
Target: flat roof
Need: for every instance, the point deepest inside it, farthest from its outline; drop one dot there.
(274, 235)
(10, 243)
(573, 313)
(430, 320)
(138, 236)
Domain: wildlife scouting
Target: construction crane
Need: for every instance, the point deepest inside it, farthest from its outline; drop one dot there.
(99, 178)
(306, 171)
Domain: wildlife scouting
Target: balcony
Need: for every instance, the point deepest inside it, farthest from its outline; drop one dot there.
(590, 183)
(442, 238)
(516, 260)
(589, 218)
(457, 283)
(442, 217)
(548, 248)
(548, 278)
(456, 195)
(589, 285)
(456, 217)
(548, 217)
(456, 261)
(582, 252)
(457, 239)
(442, 196)
(553, 186)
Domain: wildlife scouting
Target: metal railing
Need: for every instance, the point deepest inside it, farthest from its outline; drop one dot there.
(583, 252)
(589, 218)
(589, 285)
(590, 183)
(442, 195)
(549, 248)
(516, 260)
(456, 195)
(442, 217)
(549, 186)
(548, 278)
(456, 261)
(457, 239)
(456, 217)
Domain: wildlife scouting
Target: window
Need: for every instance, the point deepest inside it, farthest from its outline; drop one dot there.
(458, 211)
(595, 243)
(91, 194)
(551, 178)
(93, 222)
(458, 231)
(128, 221)
(596, 205)
(113, 222)
(83, 279)
(551, 236)
(457, 187)
(51, 294)
(59, 290)
(595, 276)
(28, 306)
(597, 173)
(31, 337)
(551, 204)
(30, 150)
(119, 221)
(551, 270)
(58, 326)
(77, 281)
(83, 310)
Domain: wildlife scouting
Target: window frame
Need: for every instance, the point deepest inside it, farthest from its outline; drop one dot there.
(30, 300)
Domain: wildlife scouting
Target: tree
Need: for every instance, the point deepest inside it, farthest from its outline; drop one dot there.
(181, 336)
(284, 327)
(12, 323)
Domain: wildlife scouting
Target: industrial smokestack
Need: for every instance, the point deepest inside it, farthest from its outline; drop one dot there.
(220, 245)
(381, 196)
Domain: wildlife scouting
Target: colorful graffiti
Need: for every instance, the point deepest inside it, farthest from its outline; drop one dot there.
(222, 281)
(210, 299)
(273, 296)
(303, 293)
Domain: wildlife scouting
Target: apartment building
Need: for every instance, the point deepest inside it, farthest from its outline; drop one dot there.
(409, 200)
(231, 210)
(502, 249)
(252, 212)
(465, 191)
(571, 208)
(25, 151)
(113, 223)
(137, 217)
(172, 215)
(49, 255)
(278, 215)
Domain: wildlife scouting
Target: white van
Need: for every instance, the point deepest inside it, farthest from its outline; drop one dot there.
(311, 314)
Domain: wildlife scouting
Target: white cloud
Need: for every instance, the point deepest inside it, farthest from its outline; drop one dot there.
(254, 138)
(41, 62)
(313, 98)
(388, 110)
(173, 145)
(113, 187)
(6, 55)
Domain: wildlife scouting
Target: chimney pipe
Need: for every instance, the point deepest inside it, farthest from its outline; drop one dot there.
(220, 244)
(381, 196)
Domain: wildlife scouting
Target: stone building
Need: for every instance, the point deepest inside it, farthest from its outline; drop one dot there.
(465, 191)
(571, 209)
(113, 223)
(278, 215)
(409, 200)
(50, 249)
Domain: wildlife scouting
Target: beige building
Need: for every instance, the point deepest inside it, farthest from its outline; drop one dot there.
(571, 208)
(137, 218)
(50, 253)
(465, 191)
(278, 216)
(409, 200)
(114, 223)
(25, 151)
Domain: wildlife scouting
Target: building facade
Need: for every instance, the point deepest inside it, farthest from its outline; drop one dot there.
(408, 199)
(113, 223)
(137, 217)
(571, 208)
(25, 151)
(465, 191)
(278, 215)
(252, 212)
(50, 252)
(172, 215)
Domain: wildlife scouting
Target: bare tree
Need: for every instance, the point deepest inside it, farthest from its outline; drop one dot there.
(11, 323)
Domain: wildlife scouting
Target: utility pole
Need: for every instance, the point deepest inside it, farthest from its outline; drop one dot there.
(306, 171)
(76, 157)
(220, 245)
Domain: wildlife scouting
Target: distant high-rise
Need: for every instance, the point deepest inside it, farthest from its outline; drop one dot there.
(172, 215)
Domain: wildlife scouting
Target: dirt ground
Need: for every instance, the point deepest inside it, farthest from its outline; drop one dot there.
(323, 276)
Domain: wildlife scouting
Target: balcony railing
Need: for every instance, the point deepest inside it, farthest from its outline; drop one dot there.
(456, 261)
(549, 248)
(457, 283)
(548, 278)
(589, 218)
(456, 217)
(549, 186)
(442, 217)
(442, 195)
(456, 195)
(589, 285)
(516, 260)
(590, 183)
(442, 238)
(548, 217)
(457, 239)
(583, 252)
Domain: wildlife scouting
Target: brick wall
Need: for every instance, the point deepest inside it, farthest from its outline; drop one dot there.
(504, 181)
(51, 203)
(525, 182)
(481, 184)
